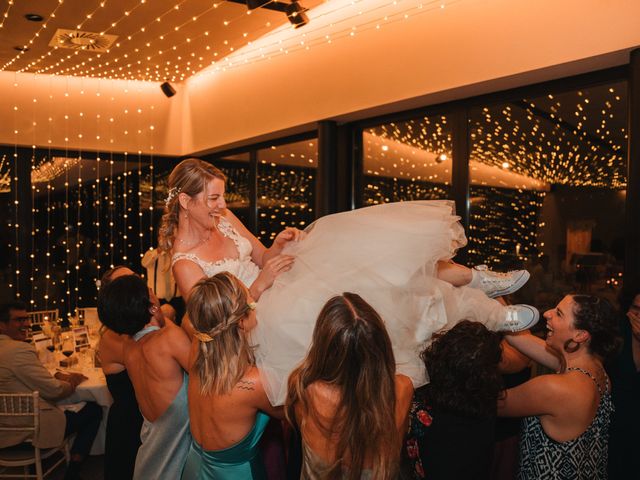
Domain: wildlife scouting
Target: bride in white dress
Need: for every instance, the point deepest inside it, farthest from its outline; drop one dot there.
(396, 256)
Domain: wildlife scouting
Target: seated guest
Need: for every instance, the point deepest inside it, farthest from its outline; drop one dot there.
(452, 419)
(125, 420)
(154, 360)
(625, 377)
(566, 431)
(22, 372)
(346, 399)
(228, 407)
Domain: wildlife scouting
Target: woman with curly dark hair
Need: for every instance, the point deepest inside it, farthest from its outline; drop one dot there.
(453, 417)
(565, 432)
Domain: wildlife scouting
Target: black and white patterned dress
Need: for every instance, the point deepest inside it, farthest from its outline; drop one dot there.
(584, 457)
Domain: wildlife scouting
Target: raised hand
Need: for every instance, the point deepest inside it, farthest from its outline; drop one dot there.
(270, 271)
(289, 234)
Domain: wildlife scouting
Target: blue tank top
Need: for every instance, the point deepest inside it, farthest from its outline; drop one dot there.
(242, 460)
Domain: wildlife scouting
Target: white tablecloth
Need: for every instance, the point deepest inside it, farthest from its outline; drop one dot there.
(93, 390)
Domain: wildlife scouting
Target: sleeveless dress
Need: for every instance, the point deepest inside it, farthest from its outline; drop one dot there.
(315, 468)
(166, 441)
(583, 458)
(388, 254)
(123, 428)
(243, 460)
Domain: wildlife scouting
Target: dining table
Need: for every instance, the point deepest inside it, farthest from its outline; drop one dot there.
(94, 389)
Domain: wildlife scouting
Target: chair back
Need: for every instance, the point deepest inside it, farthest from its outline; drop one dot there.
(40, 316)
(87, 315)
(20, 405)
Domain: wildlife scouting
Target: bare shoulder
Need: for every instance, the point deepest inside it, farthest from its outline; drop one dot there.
(404, 385)
(250, 381)
(404, 393)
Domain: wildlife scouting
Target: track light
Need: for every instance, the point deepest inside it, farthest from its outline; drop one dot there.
(295, 14)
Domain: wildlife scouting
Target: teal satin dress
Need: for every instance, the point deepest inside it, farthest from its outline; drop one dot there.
(241, 461)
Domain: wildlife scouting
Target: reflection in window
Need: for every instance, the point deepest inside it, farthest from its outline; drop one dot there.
(548, 182)
(286, 187)
(407, 161)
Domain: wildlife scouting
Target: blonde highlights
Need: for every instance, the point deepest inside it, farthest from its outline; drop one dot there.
(190, 177)
(216, 307)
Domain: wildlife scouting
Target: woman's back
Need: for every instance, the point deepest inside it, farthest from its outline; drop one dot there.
(221, 421)
(320, 433)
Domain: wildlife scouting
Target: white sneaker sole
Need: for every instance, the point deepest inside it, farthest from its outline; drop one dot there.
(535, 317)
(514, 287)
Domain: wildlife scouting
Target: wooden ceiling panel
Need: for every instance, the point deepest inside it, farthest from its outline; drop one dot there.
(157, 40)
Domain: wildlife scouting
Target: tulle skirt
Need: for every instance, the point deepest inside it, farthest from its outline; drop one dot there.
(388, 255)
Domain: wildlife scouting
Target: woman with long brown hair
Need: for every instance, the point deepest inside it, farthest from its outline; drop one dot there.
(228, 407)
(346, 399)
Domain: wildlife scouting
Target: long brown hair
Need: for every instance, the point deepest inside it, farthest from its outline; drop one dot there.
(190, 176)
(215, 307)
(351, 351)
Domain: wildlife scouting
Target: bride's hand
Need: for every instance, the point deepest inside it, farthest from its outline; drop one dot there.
(270, 271)
(289, 234)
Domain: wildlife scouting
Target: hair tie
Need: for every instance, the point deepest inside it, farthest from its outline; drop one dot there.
(203, 337)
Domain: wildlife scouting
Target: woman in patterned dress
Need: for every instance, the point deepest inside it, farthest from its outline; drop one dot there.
(565, 432)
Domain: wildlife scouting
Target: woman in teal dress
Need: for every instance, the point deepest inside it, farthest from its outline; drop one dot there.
(228, 407)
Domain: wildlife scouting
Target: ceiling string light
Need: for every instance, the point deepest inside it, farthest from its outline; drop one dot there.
(87, 17)
(278, 47)
(25, 47)
(125, 15)
(5, 15)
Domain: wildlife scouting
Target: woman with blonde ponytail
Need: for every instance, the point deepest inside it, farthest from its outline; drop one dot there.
(345, 398)
(228, 407)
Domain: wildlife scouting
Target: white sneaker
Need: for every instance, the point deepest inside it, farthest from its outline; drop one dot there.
(497, 284)
(518, 318)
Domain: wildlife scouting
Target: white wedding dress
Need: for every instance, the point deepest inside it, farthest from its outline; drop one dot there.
(388, 255)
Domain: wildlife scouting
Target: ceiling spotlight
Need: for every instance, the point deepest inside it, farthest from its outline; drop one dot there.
(295, 14)
(33, 17)
(441, 158)
(505, 165)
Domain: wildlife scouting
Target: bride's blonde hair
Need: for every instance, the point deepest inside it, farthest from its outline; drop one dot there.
(190, 176)
(215, 307)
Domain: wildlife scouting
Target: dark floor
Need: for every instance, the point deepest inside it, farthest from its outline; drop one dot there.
(92, 469)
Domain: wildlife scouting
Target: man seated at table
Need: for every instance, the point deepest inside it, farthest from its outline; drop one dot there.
(22, 372)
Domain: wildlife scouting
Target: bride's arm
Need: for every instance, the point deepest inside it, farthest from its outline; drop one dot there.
(186, 274)
(260, 254)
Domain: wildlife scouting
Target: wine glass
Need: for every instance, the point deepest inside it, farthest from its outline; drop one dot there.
(68, 345)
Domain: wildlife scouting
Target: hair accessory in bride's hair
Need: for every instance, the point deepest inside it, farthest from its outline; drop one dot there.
(203, 337)
(173, 192)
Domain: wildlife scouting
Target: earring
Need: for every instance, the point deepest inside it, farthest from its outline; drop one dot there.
(571, 346)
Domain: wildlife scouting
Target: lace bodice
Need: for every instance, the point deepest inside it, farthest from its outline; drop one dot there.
(242, 267)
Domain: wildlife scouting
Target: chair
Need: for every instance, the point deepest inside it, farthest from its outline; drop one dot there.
(40, 316)
(87, 315)
(26, 406)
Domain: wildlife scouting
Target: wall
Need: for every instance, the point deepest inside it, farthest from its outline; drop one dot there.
(89, 114)
(440, 55)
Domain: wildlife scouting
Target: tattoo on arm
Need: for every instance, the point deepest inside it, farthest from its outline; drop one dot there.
(246, 385)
